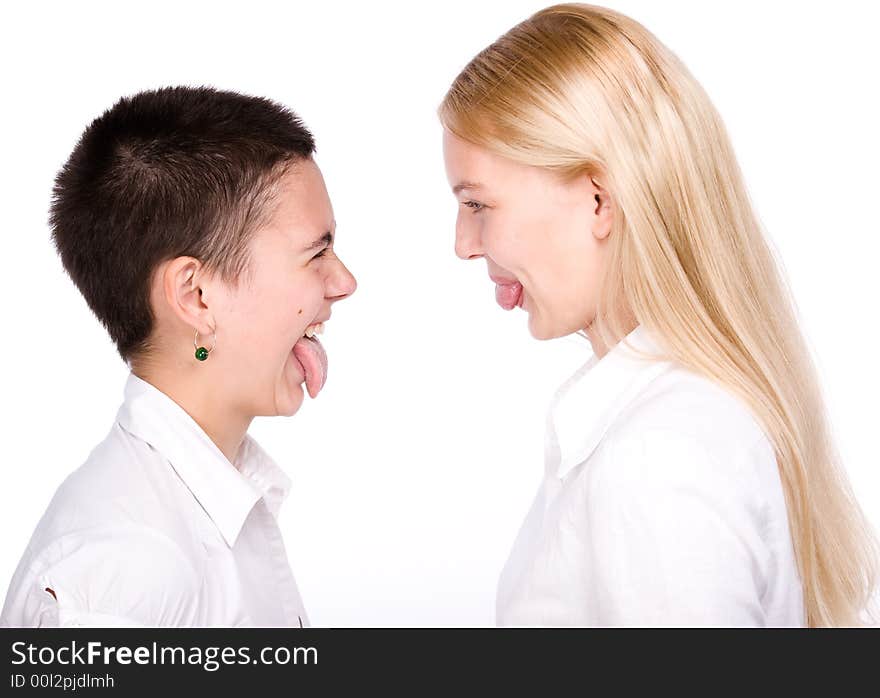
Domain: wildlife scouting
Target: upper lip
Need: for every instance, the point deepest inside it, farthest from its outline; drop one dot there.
(502, 280)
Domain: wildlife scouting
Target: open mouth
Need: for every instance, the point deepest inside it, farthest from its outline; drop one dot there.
(314, 328)
(311, 355)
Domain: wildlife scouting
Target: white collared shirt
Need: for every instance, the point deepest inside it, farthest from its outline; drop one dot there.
(158, 528)
(661, 505)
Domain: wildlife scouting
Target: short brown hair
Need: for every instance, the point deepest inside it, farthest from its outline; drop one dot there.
(164, 173)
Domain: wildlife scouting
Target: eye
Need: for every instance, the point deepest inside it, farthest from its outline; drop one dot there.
(321, 253)
(475, 206)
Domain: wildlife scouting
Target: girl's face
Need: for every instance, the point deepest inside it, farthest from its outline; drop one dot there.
(262, 352)
(544, 240)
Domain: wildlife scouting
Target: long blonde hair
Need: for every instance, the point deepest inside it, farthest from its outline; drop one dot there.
(582, 89)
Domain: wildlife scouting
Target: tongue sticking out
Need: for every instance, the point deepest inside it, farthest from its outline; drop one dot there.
(508, 296)
(311, 355)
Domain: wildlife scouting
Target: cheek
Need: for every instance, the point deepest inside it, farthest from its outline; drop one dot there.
(579, 293)
(561, 265)
(526, 249)
(306, 295)
(271, 318)
(511, 244)
(294, 310)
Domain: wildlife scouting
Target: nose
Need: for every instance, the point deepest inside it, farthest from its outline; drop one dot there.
(341, 283)
(467, 242)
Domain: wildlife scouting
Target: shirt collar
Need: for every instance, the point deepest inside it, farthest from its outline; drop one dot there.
(226, 491)
(586, 405)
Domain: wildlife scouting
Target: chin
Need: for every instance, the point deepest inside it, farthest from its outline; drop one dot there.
(289, 404)
(540, 330)
(544, 333)
(289, 393)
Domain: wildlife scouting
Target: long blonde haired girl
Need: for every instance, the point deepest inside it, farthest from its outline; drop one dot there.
(590, 104)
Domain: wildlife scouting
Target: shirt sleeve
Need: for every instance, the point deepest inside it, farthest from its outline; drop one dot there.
(676, 534)
(115, 578)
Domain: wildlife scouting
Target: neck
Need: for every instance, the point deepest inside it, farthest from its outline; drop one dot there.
(223, 426)
(599, 347)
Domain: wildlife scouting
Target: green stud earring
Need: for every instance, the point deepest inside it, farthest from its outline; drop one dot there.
(201, 352)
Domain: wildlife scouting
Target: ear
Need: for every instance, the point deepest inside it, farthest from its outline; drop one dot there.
(602, 209)
(184, 289)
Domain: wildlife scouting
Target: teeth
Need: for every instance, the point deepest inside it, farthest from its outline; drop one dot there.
(317, 328)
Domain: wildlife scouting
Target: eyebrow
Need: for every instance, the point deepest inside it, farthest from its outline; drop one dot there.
(324, 241)
(465, 185)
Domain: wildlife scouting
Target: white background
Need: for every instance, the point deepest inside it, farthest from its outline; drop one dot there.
(415, 466)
